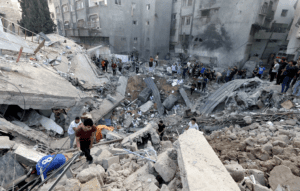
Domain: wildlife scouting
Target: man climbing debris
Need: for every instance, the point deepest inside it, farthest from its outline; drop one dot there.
(71, 131)
(86, 133)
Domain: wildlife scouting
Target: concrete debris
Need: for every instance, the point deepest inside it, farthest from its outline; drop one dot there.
(10, 169)
(27, 156)
(150, 83)
(170, 102)
(145, 107)
(236, 171)
(192, 166)
(145, 94)
(49, 124)
(282, 175)
(5, 143)
(92, 185)
(287, 104)
(165, 167)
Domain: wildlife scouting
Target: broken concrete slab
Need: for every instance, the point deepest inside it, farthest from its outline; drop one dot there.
(137, 136)
(5, 143)
(185, 98)
(105, 107)
(145, 107)
(33, 135)
(170, 101)
(10, 169)
(41, 88)
(282, 175)
(226, 91)
(86, 71)
(49, 124)
(145, 94)
(165, 167)
(28, 156)
(150, 83)
(236, 171)
(21, 124)
(197, 159)
(90, 173)
(122, 85)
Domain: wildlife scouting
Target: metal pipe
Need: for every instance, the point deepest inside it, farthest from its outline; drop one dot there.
(65, 170)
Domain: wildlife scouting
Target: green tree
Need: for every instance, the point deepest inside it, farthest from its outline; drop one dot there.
(36, 16)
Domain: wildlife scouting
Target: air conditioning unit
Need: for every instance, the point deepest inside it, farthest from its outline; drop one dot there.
(97, 3)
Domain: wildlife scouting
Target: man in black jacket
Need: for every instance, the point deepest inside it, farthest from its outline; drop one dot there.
(282, 66)
(288, 73)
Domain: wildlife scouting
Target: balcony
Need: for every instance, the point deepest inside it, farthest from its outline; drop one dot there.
(270, 16)
(88, 25)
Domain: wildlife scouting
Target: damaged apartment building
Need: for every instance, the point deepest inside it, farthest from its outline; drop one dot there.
(220, 32)
(122, 25)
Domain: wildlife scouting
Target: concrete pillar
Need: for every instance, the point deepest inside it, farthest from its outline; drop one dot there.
(200, 168)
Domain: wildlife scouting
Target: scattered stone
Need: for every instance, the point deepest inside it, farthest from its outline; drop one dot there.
(92, 185)
(5, 143)
(109, 161)
(282, 175)
(165, 167)
(236, 171)
(248, 119)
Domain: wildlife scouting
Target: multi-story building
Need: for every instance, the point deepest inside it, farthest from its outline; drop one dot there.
(123, 25)
(219, 32)
(273, 40)
(294, 34)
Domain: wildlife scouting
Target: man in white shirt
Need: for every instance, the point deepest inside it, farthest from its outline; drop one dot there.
(193, 125)
(71, 131)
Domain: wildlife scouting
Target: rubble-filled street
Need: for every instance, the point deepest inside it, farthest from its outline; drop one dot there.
(175, 105)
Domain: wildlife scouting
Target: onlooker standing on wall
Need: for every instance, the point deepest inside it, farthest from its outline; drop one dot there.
(106, 64)
(288, 73)
(86, 133)
(71, 131)
(150, 64)
(205, 81)
(120, 65)
(274, 70)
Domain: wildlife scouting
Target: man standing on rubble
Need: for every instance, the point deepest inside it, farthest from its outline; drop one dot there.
(289, 72)
(161, 129)
(86, 133)
(120, 65)
(105, 64)
(282, 66)
(71, 131)
(114, 68)
(193, 125)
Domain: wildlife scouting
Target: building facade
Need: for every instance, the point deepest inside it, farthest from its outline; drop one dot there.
(219, 32)
(273, 40)
(123, 25)
(12, 13)
(294, 34)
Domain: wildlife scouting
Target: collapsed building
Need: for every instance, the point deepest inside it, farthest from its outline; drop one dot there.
(248, 139)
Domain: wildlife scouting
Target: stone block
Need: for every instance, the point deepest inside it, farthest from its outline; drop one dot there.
(166, 145)
(131, 146)
(92, 172)
(164, 188)
(170, 102)
(28, 156)
(248, 119)
(92, 185)
(109, 161)
(117, 151)
(72, 184)
(104, 154)
(236, 171)
(145, 94)
(282, 175)
(258, 175)
(165, 167)
(5, 143)
(145, 107)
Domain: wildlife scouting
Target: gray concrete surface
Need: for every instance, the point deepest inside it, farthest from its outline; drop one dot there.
(200, 167)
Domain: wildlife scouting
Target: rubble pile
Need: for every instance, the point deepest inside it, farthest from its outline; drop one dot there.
(260, 149)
